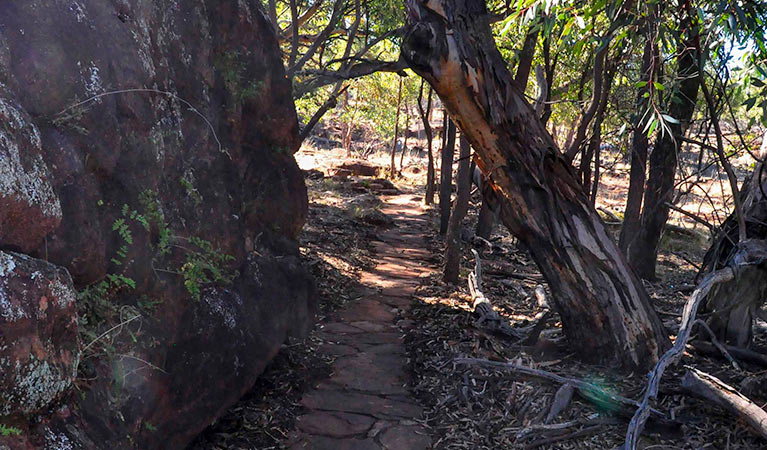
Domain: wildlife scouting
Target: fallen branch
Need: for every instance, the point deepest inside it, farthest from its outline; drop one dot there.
(575, 434)
(694, 217)
(711, 388)
(742, 354)
(488, 319)
(722, 349)
(534, 331)
(588, 391)
(561, 401)
(517, 276)
(591, 419)
(688, 319)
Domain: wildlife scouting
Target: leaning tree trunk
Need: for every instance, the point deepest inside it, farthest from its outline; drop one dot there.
(604, 308)
(453, 238)
(446, 177)
(732, 307)
(643, 249)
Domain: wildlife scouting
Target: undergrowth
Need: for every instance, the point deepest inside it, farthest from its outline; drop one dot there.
(103, 312)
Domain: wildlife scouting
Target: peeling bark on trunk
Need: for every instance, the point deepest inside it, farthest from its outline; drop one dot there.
(643, 251)
(446, 177)
(605, 311)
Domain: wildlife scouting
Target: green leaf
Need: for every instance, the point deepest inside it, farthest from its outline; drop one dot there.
(658, 86)
(507, 23)
(650, 124)
(669, 119)
(567, 27)
(653, 126)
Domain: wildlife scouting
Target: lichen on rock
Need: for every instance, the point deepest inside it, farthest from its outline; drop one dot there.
(39, 348)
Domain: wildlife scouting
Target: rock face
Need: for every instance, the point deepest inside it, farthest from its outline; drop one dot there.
(147, 148)
(39, 349)
(28, 207)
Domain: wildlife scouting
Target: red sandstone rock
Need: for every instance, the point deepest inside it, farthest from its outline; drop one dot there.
(223, 173)
(358, 167)
(29, 208)
(39, 349)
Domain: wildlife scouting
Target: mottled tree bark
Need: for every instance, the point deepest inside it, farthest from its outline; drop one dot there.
(487, 216)
(453, 238)
(606, 313)
(643, 253)
(446, 177)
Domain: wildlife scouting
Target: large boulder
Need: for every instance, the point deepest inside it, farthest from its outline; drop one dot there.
(39, 349)
(147, 148)
(28, 207)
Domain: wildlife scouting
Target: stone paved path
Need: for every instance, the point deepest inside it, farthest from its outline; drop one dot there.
(365, 404)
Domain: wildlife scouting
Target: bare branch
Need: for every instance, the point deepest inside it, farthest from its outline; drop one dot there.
(688, 319)
(334, 18)
(711, 388)
(285, 34)
(588, 391)
(294, 37)
(742, 235)
(694, 217)
(325, 77)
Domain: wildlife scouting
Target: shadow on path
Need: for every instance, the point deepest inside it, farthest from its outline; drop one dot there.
(365, 403)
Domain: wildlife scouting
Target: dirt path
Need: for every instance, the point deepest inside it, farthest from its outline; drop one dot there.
(365, 404)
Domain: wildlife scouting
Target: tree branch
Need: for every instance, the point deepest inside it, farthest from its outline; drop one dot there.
(334, 18)
(325, 77)
(285, 34)
(688, 320)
